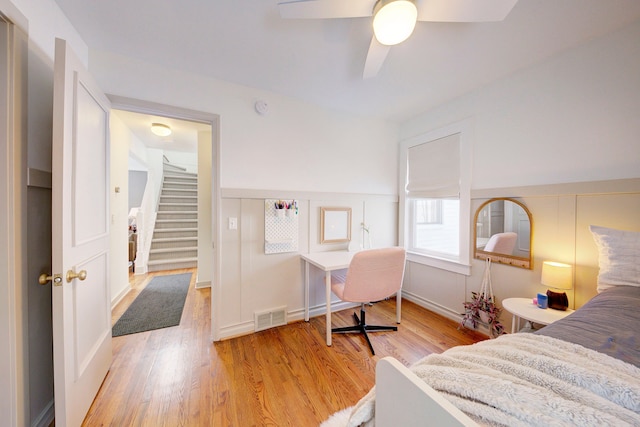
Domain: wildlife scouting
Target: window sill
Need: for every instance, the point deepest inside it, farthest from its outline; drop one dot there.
(441, 263)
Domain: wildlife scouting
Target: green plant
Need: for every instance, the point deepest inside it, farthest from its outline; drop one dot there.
(482, 309)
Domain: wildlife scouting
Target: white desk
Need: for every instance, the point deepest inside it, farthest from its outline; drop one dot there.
(523, 308)
(328, 262)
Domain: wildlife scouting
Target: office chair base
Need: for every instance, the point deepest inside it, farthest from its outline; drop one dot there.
(362, 327)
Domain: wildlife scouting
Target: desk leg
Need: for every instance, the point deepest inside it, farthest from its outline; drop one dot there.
(515, 324)
(306, 291)
(398, 305)
(327, 284)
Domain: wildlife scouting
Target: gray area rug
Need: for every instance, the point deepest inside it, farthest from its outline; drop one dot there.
(159, 305)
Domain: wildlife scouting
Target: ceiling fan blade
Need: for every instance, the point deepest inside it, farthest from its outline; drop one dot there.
(375, 58)
(464, 10)
(320, 9)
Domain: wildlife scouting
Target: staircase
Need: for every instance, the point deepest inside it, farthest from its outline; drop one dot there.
(175, 237)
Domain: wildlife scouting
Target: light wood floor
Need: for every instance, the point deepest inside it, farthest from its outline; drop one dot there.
(283, 376)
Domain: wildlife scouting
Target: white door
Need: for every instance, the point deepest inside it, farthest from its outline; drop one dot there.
(81, 305)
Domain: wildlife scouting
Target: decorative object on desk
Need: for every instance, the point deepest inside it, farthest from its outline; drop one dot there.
(335, 225)
(280, 226)
(557, 275)
(542, 301)
(283, 207)
(482, 307)
(503, 217)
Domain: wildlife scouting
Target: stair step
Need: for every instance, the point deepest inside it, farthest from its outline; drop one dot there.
(172, 253)
(176, 223)
(184, 180)
(163, 207)
(179, 199)
(173, 168)
(185, 215)
(171, 180)
(191, 186)
(170, 192)
(172, 265)
(175, 242)
(165, 233)
(180, 175)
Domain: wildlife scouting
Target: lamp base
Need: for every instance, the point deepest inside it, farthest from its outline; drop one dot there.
(558, 300)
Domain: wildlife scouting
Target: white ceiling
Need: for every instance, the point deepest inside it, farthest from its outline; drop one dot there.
(321, 61)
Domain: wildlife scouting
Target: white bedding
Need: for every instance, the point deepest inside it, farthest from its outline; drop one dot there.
(532, 380)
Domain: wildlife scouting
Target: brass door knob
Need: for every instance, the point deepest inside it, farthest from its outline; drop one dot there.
(73, 275)
(44, 279)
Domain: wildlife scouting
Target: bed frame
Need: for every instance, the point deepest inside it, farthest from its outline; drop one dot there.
(419, 401)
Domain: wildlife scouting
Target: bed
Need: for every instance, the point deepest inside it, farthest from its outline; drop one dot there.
(582, 370)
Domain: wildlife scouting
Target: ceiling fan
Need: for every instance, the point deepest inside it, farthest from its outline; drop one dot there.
(394, 20)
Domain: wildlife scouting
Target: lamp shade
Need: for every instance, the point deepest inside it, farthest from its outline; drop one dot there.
(394, 20)
(557, 275)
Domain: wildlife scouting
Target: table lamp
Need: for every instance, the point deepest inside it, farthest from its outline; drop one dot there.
(557, 275)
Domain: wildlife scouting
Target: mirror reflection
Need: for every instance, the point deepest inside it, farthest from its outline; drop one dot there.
(503, 232)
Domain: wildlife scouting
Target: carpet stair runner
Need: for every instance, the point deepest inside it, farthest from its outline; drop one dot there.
(175, 237)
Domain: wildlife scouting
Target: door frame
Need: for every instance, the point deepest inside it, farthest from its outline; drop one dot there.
(14, 391)
(156, 109)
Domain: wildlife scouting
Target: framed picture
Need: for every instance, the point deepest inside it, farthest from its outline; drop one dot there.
(335, 225)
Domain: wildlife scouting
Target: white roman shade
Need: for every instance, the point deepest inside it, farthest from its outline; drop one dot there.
(434, 168)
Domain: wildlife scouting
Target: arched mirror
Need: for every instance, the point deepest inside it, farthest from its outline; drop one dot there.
(502, 232)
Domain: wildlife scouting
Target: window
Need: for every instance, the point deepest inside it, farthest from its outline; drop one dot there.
(435, 226)
(428, 211)
(436, 199)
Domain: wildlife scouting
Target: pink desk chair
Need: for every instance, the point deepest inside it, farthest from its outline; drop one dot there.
(373, 275)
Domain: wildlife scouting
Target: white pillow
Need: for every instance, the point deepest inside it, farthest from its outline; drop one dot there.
(619, 257)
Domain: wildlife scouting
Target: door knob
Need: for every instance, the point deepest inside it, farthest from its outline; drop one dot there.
(73, 275)
(44, 279)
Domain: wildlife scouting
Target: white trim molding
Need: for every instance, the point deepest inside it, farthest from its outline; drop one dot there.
(14, 384)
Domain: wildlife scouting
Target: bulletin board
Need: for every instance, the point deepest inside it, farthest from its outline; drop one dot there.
(280, 226)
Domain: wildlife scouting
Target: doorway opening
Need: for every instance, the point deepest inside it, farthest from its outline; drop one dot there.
(189, 204)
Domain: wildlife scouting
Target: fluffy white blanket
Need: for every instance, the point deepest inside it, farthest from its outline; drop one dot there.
(528, 380)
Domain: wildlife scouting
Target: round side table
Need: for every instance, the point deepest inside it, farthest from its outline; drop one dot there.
(523, 308)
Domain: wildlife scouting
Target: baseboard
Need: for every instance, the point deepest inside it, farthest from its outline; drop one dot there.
(46, 416)
(246, 328)
(432, 306)
(236, 330)
(439, 309)
(121, 295)
(204, 284)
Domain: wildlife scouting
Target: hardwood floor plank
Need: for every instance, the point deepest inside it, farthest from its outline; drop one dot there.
(283, 376)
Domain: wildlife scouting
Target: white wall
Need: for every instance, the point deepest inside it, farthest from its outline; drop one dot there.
(254, 282)
(121, 140)
(184, 159)
(205, 225)
(571, 119)
(46, 23)
(296, 146)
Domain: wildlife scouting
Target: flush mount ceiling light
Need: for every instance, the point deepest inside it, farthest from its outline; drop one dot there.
(160, 129)
(394, 20)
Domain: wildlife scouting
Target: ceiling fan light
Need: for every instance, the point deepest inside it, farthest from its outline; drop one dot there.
(160, 129)
(394, 21)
